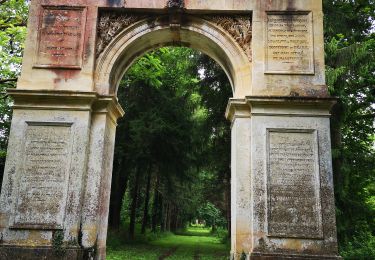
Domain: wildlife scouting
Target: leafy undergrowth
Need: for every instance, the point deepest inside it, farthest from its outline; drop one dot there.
(194, 243)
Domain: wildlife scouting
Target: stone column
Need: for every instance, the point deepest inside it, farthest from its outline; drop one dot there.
(55, 194)
(238, 112)
(282, 186)
(293, 211)
(106, 111)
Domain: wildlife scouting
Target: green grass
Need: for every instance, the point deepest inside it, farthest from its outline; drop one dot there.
(195, 231)
(194, 243)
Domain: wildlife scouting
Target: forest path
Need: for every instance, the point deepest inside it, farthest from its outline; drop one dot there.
(194, 244)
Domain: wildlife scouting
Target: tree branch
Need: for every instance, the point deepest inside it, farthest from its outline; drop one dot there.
(6, 26)
(366, 116)
(8, 80)
(3, 95)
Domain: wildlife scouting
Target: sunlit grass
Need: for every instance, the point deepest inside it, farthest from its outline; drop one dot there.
(195, 243)
(195, 231)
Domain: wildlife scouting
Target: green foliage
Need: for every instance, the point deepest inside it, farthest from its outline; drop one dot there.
(222, 234)
(117, 238)
(362, 244)
(211, 215)
(173, 129)
(13, 19)
(352, 18)
(350, 59)
(215, 130)
(58, 243)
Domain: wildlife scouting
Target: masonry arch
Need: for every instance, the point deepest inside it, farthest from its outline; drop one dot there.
(65, 101)
(193, 32)
(227, 40)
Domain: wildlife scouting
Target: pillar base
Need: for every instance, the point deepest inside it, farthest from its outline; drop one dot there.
(42, 253)
(263, 256)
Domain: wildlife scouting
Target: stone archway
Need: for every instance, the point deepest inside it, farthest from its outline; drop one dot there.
(225, 38)
(58, 171)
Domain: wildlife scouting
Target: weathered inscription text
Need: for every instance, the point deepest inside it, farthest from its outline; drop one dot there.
(43, 184)
(293, 185)
(61, 35)
(289, 45)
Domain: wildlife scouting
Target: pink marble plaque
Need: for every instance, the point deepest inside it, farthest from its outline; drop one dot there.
(61, 36)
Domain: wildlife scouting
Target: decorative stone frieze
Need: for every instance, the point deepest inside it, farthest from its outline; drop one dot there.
(238, 26)
(176, 4)
(111, 24)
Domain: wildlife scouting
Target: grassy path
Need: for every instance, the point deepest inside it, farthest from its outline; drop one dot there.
(196, 244)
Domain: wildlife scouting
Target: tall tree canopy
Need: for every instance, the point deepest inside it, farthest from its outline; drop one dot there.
(175, 100)
(350, 59)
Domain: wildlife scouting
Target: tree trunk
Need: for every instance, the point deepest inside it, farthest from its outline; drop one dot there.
(133, 210)
(156, 205)
(336, 140)
(175, 226)
(169, 213)
(214, 227)
(147, 198)
(119, 185)
(165, 216)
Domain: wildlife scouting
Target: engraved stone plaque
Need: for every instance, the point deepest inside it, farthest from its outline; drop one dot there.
(294, 207)
(61, 36)
(289, 43)
(44, 178)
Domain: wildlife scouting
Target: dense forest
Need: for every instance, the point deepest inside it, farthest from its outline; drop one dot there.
(172, 152)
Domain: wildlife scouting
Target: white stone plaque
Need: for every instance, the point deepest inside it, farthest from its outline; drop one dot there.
(289, 43)
(294, 207)
(44, 180)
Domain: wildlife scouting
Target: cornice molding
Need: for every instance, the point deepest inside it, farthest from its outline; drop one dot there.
(66, 100)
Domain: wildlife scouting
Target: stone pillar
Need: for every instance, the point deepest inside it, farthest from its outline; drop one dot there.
(283, 204)
(106, 111)
(238, 112)
(55, 194)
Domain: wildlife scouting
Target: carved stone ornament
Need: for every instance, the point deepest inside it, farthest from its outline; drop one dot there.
(111, 24)
(176, 4)
(238, 26)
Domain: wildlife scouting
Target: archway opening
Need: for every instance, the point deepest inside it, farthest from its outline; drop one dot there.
(227, 40)
(171, 179)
